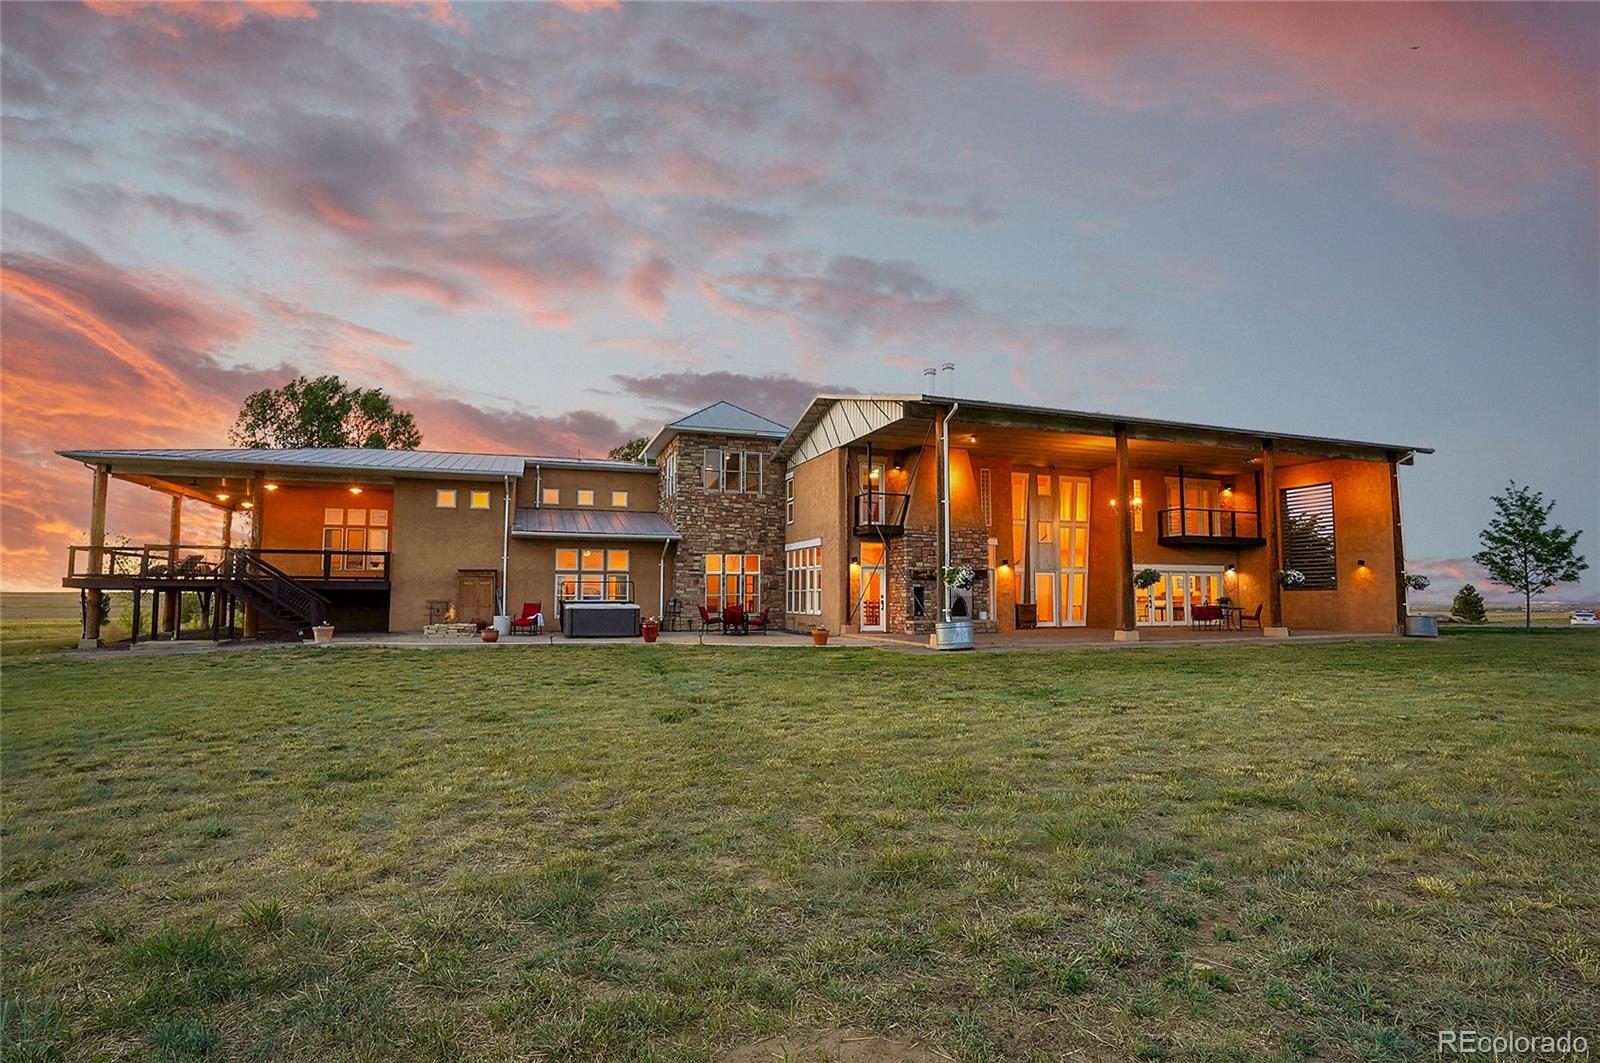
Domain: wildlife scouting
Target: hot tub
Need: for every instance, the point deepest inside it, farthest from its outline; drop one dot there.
(600, 620)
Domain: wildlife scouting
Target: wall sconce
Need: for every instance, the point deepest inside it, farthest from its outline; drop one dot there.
(1361, 563)
(1137, 503)
(1005, 565)
(855, 562)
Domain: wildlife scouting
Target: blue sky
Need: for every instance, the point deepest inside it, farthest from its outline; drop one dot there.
(546, 227)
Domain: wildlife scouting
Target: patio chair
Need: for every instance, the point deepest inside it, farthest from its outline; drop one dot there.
(1205, 616)
(707, 621)
(531, 619)
(1253, 618)
(734, 617)
(763, 620)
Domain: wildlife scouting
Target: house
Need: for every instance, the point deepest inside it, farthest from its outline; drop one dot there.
(849, 519)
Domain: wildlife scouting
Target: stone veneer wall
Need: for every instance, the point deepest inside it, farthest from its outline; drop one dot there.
(918, 549)
(713, 522)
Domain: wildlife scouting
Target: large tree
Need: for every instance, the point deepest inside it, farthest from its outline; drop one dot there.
(632, 450)
(1523, 551)
(324, 412)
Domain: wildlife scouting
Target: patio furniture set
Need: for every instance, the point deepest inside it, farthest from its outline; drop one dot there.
(1223, 617)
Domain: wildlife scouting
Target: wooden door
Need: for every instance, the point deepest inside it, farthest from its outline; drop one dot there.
(475, 594)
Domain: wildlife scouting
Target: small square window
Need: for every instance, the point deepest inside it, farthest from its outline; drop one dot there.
(551, 496)
(478, 500)
(585, 497)
(444, 498)
(619, 500)
(333, 516)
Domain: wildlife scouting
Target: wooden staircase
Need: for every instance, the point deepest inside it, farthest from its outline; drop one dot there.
(274, 594)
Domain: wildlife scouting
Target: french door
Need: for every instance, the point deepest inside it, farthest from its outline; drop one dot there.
(1060, 555)
(1170, 601)
(874, 606)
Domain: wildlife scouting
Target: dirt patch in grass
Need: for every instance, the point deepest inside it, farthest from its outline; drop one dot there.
(832, 1046)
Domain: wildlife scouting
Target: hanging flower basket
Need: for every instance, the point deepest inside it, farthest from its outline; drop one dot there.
(1146, 578)
(1290, 578)
(961, 576)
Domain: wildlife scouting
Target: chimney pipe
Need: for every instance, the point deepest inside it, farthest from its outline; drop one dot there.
(930, 381)
(950, 377)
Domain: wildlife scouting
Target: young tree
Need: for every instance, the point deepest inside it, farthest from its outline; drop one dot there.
(325, 412)
(1522, 551)
(1468, 605)
(632, 450)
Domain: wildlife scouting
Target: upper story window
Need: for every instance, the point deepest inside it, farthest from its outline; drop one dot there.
(477, 500)
(619, 500)
(669, 475)
(788, 498)
(986, 495)
(444, 498)
(550, 496)
(1308, 540)
(732, 470)
(585, 496)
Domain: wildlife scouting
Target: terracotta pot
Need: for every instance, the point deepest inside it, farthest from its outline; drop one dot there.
(650, 631)
(490, 635)
(322, 633)
(819, 635)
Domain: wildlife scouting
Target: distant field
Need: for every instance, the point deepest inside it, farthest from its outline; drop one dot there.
(38, 605)
(1230, 853)
(37, 622)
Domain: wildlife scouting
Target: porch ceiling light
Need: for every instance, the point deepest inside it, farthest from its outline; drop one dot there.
(269, 487)
(223, 496)
(355, 489)
(247, 504)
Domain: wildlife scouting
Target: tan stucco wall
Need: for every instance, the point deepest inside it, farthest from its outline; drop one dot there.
(533, 572)
(1363, 529)
(821, 511)
(640, 485)
(431, 545)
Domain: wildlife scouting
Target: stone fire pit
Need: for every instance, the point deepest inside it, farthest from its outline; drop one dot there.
(450, 631)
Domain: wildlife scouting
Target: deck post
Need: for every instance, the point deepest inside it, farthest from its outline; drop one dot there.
(94, 610)
(174, 537)
(1127, 630)
(1400, 610)
(1274, 627)
(252, 620)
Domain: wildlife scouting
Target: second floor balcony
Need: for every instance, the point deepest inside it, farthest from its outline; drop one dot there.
(879, 513)
(1183, 526)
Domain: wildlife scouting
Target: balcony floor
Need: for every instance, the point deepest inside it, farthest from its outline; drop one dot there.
(1230, 542)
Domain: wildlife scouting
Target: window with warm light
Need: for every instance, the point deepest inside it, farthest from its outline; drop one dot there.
(592, 574)
(1138, 506)
(444, 498)
(478, 500)
(733, 579)
(585, 496)
(788, 498)
(550, 496)
(619, 500)
(802, 575)
(732, 471)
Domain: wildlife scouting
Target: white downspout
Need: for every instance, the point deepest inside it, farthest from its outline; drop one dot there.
(505, 556)
(944, 487)
(661, 580)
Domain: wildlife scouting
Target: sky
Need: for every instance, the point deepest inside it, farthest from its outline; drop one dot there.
(546, 228)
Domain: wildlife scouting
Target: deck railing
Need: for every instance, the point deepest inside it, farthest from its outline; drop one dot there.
(184, 562)
(1208, 524)
(880, 511)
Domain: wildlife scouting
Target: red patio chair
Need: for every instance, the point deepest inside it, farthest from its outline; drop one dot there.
(1253, 618)
(707, 621)
(763, 620)
(733, 616)
(532, 618)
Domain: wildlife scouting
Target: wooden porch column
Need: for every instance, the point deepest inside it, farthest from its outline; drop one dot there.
(169, 622)
(1127, 630)
(252, 621)
(94, 609)
(1400, 610)
(1273, 628)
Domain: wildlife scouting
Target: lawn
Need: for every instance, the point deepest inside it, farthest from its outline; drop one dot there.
(581, 853)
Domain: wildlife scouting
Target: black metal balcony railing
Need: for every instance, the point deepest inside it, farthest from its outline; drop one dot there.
(1217, 525)
(880, 512)
(180, 563)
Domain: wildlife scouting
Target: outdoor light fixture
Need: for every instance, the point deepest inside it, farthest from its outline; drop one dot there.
(1361, 563)
(1005, 562)
(355, 489)
(855, 562)
(247, 504)
(1232, 569)
(270, 487)
(223, 496)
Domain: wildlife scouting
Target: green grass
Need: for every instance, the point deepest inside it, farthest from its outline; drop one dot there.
(1183, 854)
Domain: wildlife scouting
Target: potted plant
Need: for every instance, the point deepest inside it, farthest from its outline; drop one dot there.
(819, 635)
(650, 628)
(489, 634)
(1223, 599)
(322, 634)
(1291, 578)
(1146, 578)
(951, 634)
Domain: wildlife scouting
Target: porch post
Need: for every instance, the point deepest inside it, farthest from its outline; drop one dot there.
(1273, 628)
(94, 610)
(1126, 631)
(1400, 609)
(252, 621)
(174, 537)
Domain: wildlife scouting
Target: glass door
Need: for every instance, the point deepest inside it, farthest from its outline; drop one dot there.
(873, 605)
(1072, 532)
(1171, 600)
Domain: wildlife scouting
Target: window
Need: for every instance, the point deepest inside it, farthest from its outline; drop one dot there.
(585, 496)
(619, 500)
(986, 496)
(1138, 506)
(352, 546)
(1308, 542)
(550, 496)
(592, 574)
(477, 500)
(444, 498)
(802, 574)
(669, 476)
(731, 470)
(1019, 529)
(788, 499)
(733, 579)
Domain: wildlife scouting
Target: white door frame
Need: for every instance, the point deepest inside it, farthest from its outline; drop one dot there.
(1169, 570)
(882, 571)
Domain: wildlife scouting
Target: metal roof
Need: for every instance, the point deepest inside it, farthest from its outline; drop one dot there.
(433, 463)
(720, 418)
(596, 464)
(821, 405)
(550, 523)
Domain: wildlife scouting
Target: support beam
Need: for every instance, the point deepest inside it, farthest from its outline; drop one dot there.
(94, 611)
(252, 621)
(1401, 611)
(1127, 623)
(174, 537)
(1274, 627)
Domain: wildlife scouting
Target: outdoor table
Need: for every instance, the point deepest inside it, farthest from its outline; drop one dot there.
(1233, 617)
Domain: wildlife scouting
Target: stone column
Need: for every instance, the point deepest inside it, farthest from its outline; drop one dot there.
(1127, 628)
(94, 613)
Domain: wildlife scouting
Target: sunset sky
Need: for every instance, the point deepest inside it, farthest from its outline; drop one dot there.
(547, 228)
